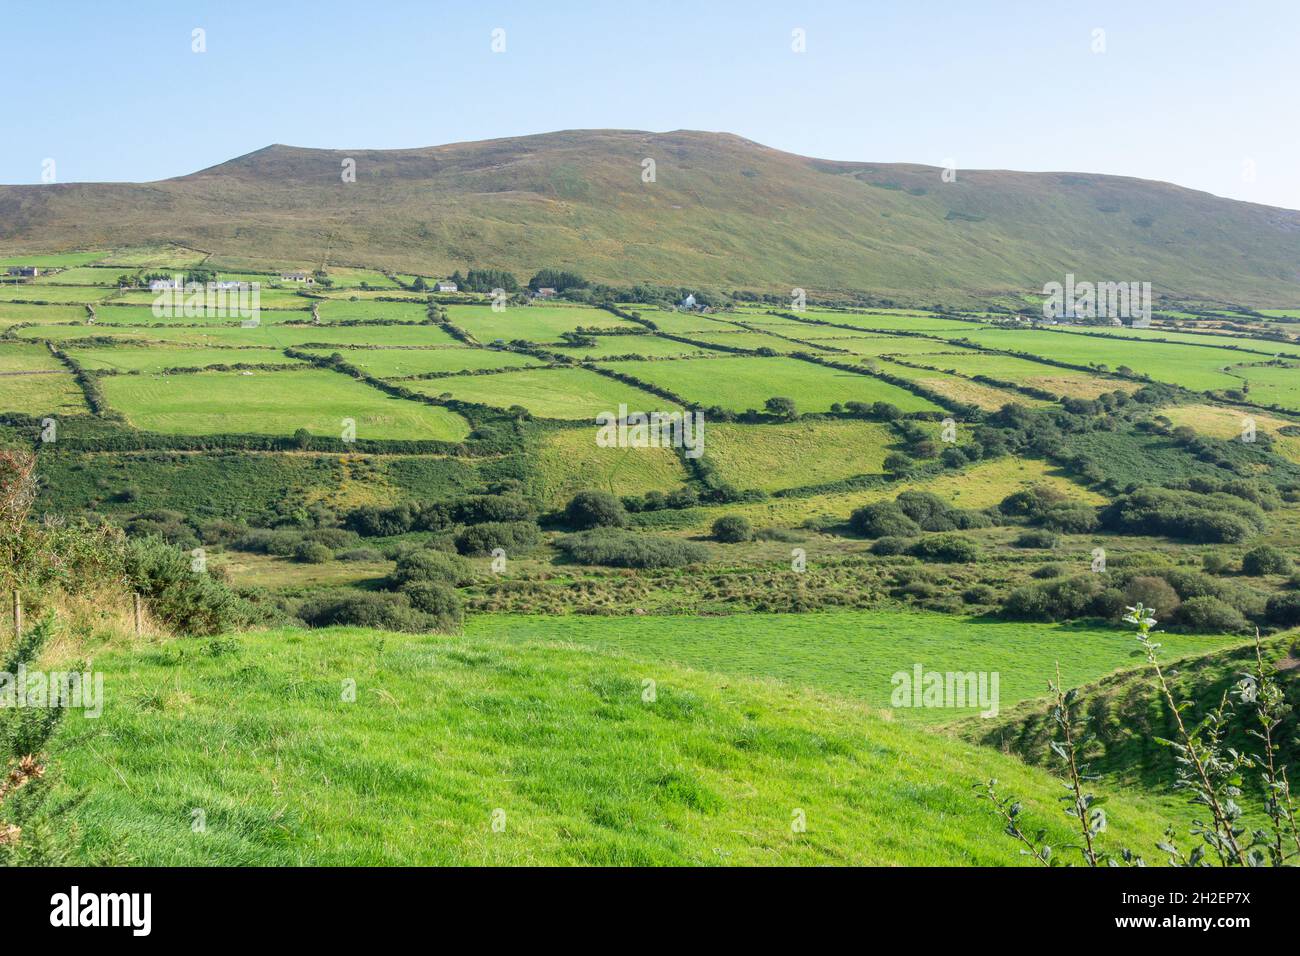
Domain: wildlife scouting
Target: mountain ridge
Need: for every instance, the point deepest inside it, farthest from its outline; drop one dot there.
(722, 211)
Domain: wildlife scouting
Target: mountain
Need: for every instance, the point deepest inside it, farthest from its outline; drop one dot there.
(723, 211)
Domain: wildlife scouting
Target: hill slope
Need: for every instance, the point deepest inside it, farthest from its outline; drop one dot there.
(723, 211)
(443, 731)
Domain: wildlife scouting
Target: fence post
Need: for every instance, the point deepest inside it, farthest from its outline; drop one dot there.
(139, 623)
(18, 615)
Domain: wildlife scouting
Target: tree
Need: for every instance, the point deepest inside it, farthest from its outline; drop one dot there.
(595, 509)
(781, 408)
(732, 529)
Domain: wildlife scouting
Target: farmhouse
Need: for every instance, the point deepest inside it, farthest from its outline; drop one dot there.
(444, 287)
(158, 285)
(304, 277)
(545, 292)
(24, 271)
(687, 303)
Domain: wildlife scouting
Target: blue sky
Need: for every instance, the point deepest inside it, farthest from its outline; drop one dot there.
(1202, 94)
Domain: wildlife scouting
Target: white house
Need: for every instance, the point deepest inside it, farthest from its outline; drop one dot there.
(687, 303)
(159, 285)
(444, 287)
(304, 277)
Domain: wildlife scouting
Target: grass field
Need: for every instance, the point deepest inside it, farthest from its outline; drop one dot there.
(1272, 384)
(572, 394)
(959, 389)
(398, 363)
(554, 742)
(1221, 422)
(979, 486)
(742, 382)
(271, 336)
(536, 323)
(34, 382)
(649, 346)
(27, 292)
(336, 310)
(128, 358)
(1189, 366)
(569, 460)
(12, 313)
(855, 653)
(772, 457)
(274, 403)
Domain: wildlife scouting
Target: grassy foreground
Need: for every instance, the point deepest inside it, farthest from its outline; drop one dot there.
(253, 737)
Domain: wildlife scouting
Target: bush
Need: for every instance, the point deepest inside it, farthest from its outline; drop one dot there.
(1209, 615)
(441, 602)
(186, 601)
(1216, 563)
(1038, 539)
(949, 548)
(515, 537)
(626, 549)
(309, 552)
(377, 609)
(732, 529)
(594, 509)
(1284, 609)
(883, 519)
(1070, 519)
(359, 554)
(890, 544)
(1154, 593)
(979, 594)
(425, 565)
(928, 510)
(1043, 571)
(1060, 600)
(1265, 559)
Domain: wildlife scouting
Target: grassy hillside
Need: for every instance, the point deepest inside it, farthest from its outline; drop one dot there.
(251, 737)
(723, 211)
(1128, 713)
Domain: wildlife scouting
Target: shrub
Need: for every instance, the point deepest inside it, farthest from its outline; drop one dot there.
(186, 601)
(480, 508)
(1070, 519)
(482, 539)
(979, 594)
(1284, 609)
(1038, 539)
(1053, 570)
(925, 509)
(1265, 559)
(425, 565)
(949, 548)
(377, 609)
(441, 602)
(883, 519)
(594, 509)
(359, 554)
(1154, 593)
(1216, 563)
(626, 549)
(732, 529)
(310, 552)
(1211, 616)
(1059, 600)
(890, 544)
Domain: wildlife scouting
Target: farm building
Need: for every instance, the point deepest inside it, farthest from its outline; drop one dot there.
(444, 287)
(24, 270)
(304, 277)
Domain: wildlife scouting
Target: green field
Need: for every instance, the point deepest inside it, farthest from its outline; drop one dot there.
(128, 358)
(274, 403)
(269, 335)
(854, 654)
(1272, 384)
(14, 312)
(742, 382)
(556, 741)
(571, 394)
(536, 323)
(34, 382)
(569, 460)
(402, 363)
(648, 346)
(336, 310)
(771, 457)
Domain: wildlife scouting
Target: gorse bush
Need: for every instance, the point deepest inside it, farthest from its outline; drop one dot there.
(617, 548)
(515, 537)
(427, 565)
(1265, 559)
(183, 598)
(594, 509)
(883, 519)
(1184, 514)
(732, 529)
(440, 603)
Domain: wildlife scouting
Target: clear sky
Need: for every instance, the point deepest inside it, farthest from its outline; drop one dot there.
(1203, 94)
